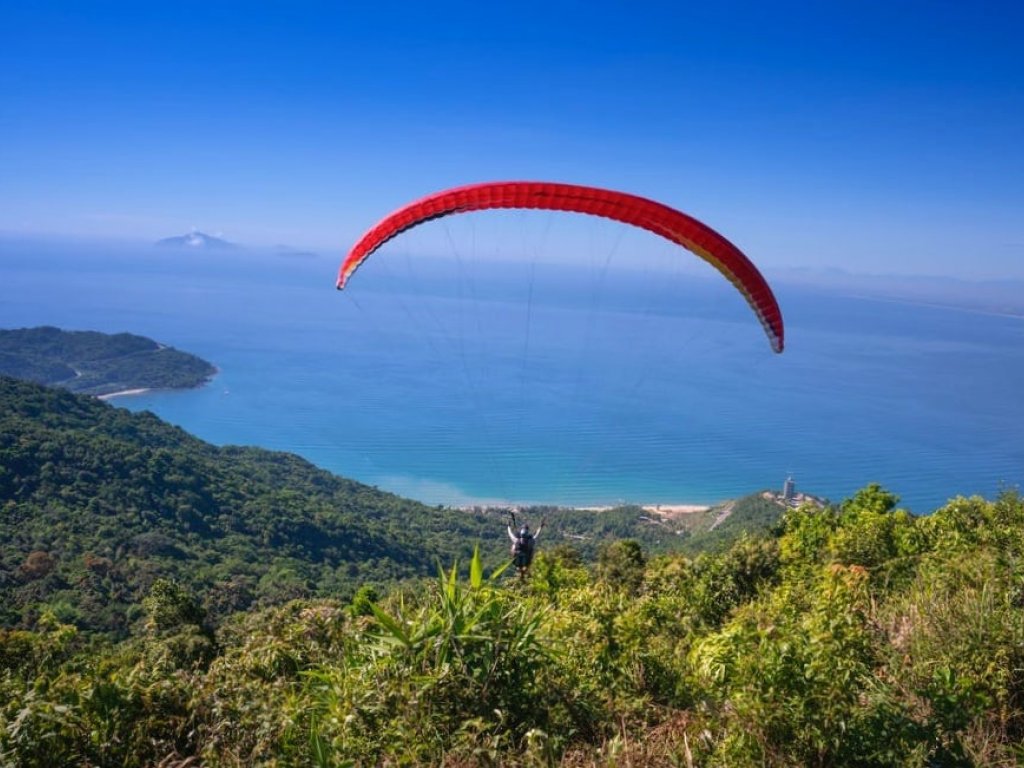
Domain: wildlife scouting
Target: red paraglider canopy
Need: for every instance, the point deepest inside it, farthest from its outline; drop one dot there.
(619, 206)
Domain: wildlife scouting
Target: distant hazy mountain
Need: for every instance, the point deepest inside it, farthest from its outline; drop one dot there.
(294, 253)
(195, 239)
(1001, 296)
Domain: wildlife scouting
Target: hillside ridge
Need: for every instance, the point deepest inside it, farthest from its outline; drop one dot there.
(94, 363)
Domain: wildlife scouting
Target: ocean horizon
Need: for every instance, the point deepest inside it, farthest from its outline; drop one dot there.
(582, 385)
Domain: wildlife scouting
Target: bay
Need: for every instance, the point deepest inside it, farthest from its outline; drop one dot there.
(458, 383)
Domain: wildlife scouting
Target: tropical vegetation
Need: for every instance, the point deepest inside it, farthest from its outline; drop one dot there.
(94, 363)
(96, 503)
(851, 635)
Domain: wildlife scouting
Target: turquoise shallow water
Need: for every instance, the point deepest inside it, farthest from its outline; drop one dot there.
(563, 385)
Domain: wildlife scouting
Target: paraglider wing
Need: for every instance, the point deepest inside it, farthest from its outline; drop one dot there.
(619, 206)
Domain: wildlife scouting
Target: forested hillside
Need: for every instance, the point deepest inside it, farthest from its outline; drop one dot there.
(714, 528)
(169, 602)
(96, 363)
(857, 636)
(96, 503)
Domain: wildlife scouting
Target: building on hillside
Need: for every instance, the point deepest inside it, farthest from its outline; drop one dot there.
(789, 489)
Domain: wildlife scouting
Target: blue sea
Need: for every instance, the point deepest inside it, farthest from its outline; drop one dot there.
(455, 382)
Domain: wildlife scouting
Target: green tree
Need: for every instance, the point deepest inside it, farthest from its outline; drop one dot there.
(169, 606)
(621, 564)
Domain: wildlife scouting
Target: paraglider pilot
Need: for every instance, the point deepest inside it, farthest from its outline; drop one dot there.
(523, 544)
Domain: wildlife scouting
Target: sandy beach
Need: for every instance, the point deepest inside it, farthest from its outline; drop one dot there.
(123, 393)
(675, 510)
(665, 510)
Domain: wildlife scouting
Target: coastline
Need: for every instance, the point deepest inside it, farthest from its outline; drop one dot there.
(662, 510)
(676, 510)
(665, 510)
(145, 390)
(124, 393)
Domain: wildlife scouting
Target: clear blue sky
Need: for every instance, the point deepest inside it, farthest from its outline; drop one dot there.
(871, 136)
